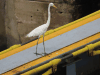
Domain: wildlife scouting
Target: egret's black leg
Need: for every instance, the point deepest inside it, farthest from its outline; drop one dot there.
(36, 48)
(44, 45)
(37, 45)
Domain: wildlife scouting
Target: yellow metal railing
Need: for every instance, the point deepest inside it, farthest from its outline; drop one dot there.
(96, 52)
(48, 72)
(11, 48)
(52, 63)
(87, 48)
(55, 62)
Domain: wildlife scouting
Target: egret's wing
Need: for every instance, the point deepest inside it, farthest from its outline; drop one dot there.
(37, 31)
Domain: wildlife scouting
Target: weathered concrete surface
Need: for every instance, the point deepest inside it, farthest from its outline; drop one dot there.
(22, 16)
(56, 1)
(2, 26)
(11, 24)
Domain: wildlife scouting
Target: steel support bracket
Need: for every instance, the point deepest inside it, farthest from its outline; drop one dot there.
(73, 60)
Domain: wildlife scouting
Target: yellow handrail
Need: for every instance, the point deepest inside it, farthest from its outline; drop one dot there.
(52, 63)
(11, 48)
(87, 48)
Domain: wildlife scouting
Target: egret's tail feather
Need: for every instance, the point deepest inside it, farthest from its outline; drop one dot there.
(28, 35)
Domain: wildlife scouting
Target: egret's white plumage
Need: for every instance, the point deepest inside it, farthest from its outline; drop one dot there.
(41, 29)
(38, 31)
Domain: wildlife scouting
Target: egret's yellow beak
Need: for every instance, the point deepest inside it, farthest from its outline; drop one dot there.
(54, 6)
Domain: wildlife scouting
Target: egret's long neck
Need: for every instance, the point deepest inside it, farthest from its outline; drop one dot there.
(49, 15)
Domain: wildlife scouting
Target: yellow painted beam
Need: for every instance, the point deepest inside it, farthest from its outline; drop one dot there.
(55, 62)
(48, 72)
(54, 54)
(52, 63)
(11, 48)
(87, 48)
(60, 31)
(97, 52)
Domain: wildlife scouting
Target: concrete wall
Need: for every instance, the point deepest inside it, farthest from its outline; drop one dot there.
(22, 16)
(11, 24)
(2, 26)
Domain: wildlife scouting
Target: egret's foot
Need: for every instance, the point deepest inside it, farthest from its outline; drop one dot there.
(38, 54)
(45, 53)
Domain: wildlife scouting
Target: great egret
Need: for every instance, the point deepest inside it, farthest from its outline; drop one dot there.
(41, 29)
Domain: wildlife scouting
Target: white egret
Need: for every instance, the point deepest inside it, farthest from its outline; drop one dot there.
(41, 29)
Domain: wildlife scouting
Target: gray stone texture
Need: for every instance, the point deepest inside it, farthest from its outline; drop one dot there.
(11, 24)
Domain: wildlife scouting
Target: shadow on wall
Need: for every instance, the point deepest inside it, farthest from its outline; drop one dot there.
(81, 7)
(3, 47)
(86, 7)
(3, 44)
(3, 41)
